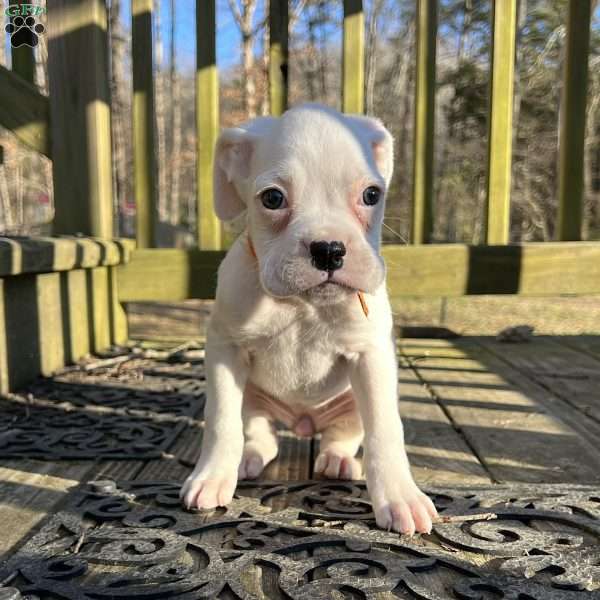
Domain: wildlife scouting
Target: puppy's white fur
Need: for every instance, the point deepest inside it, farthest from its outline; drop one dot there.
(284, 345)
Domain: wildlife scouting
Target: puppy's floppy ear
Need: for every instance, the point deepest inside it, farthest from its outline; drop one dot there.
(232, 164)
(379, 138)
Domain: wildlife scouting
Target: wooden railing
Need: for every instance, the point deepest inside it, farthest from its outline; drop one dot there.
(75, 118)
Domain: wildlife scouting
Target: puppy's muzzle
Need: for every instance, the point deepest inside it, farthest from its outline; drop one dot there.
(327, 256)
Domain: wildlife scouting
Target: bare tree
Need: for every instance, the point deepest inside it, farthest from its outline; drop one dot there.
(371, 58)
(243, 13)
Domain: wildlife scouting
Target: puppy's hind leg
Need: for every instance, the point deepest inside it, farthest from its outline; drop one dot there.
(340, 440)
(260, 442)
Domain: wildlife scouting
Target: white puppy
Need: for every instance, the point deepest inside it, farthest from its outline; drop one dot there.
(301, 330)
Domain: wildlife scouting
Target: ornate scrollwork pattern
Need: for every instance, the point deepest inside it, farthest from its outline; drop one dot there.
(130, 413)
(311, 541)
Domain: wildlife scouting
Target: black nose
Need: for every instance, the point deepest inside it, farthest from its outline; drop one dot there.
(327, 256)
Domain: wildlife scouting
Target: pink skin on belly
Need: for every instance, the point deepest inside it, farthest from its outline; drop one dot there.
(303, 420)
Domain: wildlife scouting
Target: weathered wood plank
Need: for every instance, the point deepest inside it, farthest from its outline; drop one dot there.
(80, 117)
(119, 333)
(207, 124)
(425, 89)
(496, 359)
(278, 56)
(99, 305)
(29, 491)
(567, 373)
(144, 135)
(502, 69)
(590, 344)
(514, 437)
(169, 274)
(19, 256)
(572, 116)
(25, 111)
(294, 461)
(353, 66)
(437, 452)
(412, 271)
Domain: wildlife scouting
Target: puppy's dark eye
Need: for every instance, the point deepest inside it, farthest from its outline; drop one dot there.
(371, 195)
(272, 199)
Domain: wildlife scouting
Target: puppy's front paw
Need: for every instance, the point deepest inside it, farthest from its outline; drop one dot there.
(406, 510)
(208, 489)
(335, 464)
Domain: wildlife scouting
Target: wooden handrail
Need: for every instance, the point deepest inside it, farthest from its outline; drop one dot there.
(79, 105)
(429, 270)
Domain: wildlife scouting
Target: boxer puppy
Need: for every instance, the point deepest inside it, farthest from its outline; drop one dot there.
(301, 330)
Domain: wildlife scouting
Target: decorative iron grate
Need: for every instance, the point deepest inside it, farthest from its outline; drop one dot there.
(310, 541)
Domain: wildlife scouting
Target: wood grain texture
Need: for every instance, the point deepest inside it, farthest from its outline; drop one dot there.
(80, 117)
(566, 372)
(25, 111)
(353, 67)
(504, 33)
(424, 127)
(145, 164)
(169, 274)
(437, 451)
(573, 112)
(29, 491)
(412, 271)
(19, 256)
(514, 364)
(207, 124)
(515, 438)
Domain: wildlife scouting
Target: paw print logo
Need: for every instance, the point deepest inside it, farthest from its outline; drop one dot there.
(24, 32)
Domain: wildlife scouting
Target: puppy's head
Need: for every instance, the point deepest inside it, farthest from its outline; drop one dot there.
(313, 183)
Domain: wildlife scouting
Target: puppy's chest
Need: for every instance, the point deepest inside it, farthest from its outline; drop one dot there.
(303, 356)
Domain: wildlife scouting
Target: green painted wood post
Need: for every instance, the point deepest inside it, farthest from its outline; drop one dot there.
(144, 132)
(353, 67)
(23, 57)
(80, 117)
(207, 123)
(278, 56)
(423, 172)
(572, 133)
(502, 67)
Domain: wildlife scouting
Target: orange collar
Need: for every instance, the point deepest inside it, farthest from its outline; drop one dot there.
(360, 294)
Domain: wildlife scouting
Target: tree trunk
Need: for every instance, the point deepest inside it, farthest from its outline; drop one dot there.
(249, 86)
(371, 58)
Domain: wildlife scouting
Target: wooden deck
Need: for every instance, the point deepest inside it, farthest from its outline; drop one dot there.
(484, 421)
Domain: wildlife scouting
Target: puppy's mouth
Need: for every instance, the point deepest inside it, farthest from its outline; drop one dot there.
(331, 287)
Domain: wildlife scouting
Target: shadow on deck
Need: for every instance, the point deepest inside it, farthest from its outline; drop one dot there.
(504, 436)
